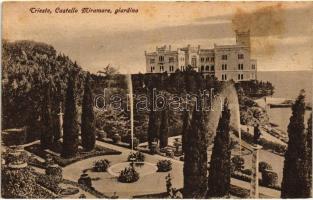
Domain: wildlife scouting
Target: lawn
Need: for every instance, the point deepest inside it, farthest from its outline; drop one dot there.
(55, 153)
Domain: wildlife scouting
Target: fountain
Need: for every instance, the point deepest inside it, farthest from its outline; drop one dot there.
(143, 168)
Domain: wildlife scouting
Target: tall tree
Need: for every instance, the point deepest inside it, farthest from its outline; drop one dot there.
(294, 183)
(70, 126)
(87, 118)
(46, 138)
(219, 172)
(309, 157)
(195, 161)
(163, 136)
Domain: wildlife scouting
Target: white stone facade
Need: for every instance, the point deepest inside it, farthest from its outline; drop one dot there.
(225, 62)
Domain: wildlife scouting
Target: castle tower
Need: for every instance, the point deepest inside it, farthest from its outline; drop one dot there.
(243, 38)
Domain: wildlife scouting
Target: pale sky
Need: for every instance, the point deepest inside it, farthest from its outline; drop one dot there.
(281, 33)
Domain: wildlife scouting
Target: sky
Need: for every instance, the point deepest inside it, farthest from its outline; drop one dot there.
(281, 32)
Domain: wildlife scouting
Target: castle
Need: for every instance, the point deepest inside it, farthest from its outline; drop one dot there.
(225, 62)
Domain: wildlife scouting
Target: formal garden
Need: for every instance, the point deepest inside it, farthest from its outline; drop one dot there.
(66, 148)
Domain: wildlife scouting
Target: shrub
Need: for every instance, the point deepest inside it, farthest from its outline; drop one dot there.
(116, 138)
(128, 175)
(140, 157)
(247, 172)
(56, 171)
(18, 183)
(16, 157)
(50, 182)
(164, 166)
(237, 163)
(263, 166)
(269, 178)
(101, 165)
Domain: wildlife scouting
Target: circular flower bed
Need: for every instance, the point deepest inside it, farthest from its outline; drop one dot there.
(128, 175)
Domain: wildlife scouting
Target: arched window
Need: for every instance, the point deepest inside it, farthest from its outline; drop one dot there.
(207, 68)
(212, 68)
(202, 68)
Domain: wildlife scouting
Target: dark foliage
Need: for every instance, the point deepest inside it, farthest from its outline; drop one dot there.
(46, 139)
(263, 166)
(256, 89)
(128, 175)
(294, 183)
(70, 126)
(87, 121)
(164, 165)
(195, 149)
(98, 151)
(164, 129)
(309, 155)
(220, 165)
(137, 156)
(101, 165)
(26, 67)
(19, 183)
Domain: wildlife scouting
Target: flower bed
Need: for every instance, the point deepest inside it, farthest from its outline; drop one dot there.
(101, 165)
(98, 151)
(138, 157)
(164, 165)
(128, 175)
(86, 189)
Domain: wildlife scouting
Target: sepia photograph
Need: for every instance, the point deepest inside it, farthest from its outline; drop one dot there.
(156, 100)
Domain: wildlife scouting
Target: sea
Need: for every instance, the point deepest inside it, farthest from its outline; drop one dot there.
(288, 84)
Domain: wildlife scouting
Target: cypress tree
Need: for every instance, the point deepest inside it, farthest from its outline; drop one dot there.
(186, 126)
(294, 183)
(46, 138)
(70, 126)
(219, 172)
(164, 129)
(87, 119)
(195, 161)
(309, 157)
(153, 127)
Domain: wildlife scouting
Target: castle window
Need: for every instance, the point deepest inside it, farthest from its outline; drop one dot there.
(152, 68)
(212, 59)
(161, 58)
(240, 66)
(224, 66)
(152, 60)
(240, 76)
(207, 68)
(161, 68)
(207, 59)
(171, 59)
(212, 68)
(253, 66)
(224, 77)
(240, 56)
(171, 68)
(202, 59)
(202, 68)
(224, 57)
